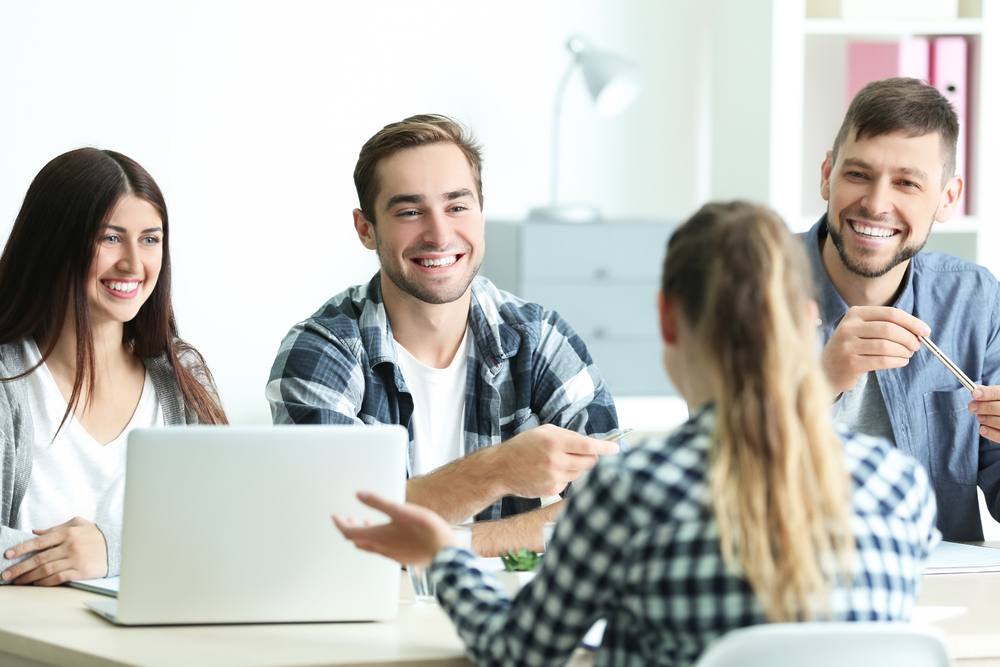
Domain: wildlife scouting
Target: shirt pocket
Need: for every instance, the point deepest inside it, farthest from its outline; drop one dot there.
(952, 433)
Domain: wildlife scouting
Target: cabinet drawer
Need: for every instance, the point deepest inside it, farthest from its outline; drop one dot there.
(607, 251)
(602, 311)
(632, 369)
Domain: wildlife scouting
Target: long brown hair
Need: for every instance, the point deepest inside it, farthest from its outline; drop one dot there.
(780, 488)
(46, 261)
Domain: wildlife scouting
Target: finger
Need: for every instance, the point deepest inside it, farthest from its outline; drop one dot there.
(574, 464)
(989, 433)
(376, 501)
(40, 559)
(992, 422)
(889, 334)
(583, 446)
(879, 363)
(899, 317)
(59, 578)
(39, 543)
(985, 407)
(45, 571)
(985, 393)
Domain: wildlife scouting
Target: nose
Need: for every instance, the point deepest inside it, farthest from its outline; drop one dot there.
(438, 230)
(878, 199)
(128, 259)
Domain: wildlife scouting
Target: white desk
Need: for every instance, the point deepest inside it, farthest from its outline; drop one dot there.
(41, 626)
(50, 626)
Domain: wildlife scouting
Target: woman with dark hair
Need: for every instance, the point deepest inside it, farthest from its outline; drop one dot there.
(88, 351)
(753, 510)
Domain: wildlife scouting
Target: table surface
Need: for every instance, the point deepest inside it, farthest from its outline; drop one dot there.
(50, 626)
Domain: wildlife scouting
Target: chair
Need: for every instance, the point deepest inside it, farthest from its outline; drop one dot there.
(829, 645)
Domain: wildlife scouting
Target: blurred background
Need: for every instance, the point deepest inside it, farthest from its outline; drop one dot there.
(250, 116)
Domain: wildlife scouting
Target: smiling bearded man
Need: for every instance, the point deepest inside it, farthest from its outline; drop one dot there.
(890, 176)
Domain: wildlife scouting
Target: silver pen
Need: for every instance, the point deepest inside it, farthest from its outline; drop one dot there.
(617, 435)
(949, 364)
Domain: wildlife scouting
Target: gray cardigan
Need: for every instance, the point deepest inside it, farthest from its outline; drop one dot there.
(17, 437)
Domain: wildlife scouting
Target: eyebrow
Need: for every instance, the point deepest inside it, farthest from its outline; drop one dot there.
(419, 199)
(122, 230)
(902, 171)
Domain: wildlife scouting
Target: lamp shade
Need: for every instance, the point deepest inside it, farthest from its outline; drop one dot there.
(614, 82)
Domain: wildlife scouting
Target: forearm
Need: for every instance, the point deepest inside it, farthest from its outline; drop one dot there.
(523, 531)
(460, 489)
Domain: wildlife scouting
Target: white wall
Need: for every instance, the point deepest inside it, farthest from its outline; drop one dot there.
(250, 116)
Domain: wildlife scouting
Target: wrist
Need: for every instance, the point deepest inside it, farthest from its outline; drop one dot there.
(489, 470)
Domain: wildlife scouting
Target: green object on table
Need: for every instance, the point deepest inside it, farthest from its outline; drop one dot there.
(520, 561)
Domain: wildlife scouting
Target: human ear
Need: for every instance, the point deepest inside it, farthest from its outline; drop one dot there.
(949, 198)
(667, 305)
(825, 171)
(365, 229)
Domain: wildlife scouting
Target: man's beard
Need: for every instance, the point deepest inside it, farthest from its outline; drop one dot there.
(421, 292)
(865, 269)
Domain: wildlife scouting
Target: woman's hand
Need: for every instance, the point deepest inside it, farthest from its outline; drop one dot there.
(414, 535)
(72, 550)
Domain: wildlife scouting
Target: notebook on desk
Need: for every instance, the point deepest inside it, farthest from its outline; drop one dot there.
(232, 525)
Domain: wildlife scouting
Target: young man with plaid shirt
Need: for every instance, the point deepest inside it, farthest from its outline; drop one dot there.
(498, 394)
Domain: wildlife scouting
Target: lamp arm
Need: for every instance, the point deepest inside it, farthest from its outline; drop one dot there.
(556, 115)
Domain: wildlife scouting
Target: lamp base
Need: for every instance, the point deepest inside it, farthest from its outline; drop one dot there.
(565, 213)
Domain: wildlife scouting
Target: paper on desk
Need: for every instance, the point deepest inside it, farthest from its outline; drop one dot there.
(954, 558)
(933, 614)
(106, 586)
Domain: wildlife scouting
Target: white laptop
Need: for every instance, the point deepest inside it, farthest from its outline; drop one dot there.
(232, 525)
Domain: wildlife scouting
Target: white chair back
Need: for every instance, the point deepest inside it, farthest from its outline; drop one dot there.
(829, 645)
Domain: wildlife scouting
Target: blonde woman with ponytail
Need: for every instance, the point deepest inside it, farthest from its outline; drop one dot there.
(754, 510)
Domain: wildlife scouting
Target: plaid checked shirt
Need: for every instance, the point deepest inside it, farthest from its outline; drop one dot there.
(638, 545)
(526, 367)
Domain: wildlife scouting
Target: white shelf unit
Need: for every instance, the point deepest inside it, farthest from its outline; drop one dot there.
(778, 95)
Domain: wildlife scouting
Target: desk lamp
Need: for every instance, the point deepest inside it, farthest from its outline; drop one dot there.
(613, 83)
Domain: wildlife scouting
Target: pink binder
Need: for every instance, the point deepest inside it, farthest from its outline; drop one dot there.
(949, 68)
(871, 61)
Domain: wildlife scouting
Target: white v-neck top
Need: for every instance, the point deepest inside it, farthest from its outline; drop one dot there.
(74, 475)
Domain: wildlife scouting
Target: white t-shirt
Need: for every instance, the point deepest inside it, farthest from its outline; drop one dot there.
(74, 475)
(438, 407)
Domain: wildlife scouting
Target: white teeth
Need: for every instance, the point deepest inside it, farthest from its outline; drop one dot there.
(122, 287)
(443, 261)
(874, 232)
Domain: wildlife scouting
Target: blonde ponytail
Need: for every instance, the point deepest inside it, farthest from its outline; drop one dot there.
(779, 484)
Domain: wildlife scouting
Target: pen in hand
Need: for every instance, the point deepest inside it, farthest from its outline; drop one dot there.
(614, 436)
(949, 364)
(617, 435)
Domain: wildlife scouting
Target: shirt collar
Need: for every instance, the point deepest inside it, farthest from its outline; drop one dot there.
(494, 338)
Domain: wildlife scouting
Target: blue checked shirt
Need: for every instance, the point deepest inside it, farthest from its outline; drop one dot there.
(526, 367)
(639, 546)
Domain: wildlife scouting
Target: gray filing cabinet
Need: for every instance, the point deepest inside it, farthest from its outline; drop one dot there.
(603, 278)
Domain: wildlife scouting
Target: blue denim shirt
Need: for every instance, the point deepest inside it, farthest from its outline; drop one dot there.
(526, 367)
(928, 408)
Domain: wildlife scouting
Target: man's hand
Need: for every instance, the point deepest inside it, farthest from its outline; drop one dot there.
(870, 338)
(542, 461)
(414, 535)
(987, 408)
(72, 550)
